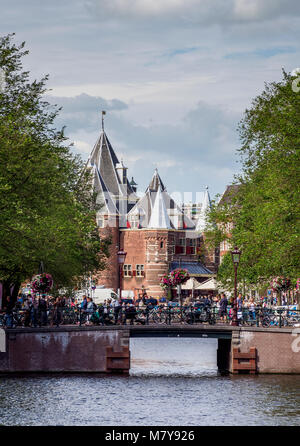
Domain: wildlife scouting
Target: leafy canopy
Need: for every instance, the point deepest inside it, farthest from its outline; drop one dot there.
(265, 207)
(45, 212)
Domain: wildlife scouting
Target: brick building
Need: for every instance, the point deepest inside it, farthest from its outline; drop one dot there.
(153, 230)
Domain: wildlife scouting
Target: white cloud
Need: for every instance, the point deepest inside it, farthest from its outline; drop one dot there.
(204, 141)
(194, 11)
(175, 76)
(295, 72)
(82, 147)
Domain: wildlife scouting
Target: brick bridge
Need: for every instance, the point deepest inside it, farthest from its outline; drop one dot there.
(73, 349)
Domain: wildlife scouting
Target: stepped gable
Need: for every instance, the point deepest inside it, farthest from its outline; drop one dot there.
(156, 209)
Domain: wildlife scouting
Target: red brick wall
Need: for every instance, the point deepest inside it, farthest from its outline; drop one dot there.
(274, 350)
(143, 247)
(154, 249)
(110, 276)
(60, 350)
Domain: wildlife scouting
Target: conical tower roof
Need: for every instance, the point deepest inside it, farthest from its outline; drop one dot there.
(156, 183)
(107, 182)
(104, 157)
(206, 206)
(159, 215)
(157, 209)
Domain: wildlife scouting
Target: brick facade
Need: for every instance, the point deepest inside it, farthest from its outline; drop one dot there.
(277, 349)
(153, 250)
(153, 229)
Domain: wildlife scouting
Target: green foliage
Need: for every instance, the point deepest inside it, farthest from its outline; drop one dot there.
(265, 209)
(46, 213)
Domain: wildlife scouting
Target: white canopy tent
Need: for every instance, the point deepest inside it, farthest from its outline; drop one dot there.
(193, 284)
(190, 284)
(210, 284)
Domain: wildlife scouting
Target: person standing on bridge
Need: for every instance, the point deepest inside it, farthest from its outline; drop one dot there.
(239, 304)
(117, 306)
(42, 310)
(223, 308)
(9, 312)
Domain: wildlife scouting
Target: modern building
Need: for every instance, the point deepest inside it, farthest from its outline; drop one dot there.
(153, 230)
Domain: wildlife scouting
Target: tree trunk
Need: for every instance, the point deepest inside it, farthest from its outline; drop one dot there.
(11, 290)
(15, 291)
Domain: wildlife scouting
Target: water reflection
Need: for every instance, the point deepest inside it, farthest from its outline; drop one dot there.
(172, 382)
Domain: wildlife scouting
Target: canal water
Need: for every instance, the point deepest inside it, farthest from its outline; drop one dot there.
(172, 382)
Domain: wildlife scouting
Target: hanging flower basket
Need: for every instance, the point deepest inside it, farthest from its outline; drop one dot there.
(165, 282)
(179, 276)
(280, 283)
(42, 283)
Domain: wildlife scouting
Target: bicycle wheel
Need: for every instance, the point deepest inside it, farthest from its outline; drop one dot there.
(266, 321)
(157, 318)
(211, 319)
(176, 317)
(72, 318)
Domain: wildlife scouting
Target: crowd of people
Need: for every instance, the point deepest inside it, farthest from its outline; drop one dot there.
(42, 310)
(34, 310)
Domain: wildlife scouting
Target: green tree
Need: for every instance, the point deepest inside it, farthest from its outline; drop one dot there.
(46, 212)
(265, 208)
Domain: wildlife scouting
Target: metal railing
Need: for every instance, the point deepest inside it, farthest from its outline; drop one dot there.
(259, 317)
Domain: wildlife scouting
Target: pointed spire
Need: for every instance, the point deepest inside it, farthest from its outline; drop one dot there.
(159, 216)
(103, 113)
(206, 205)
(156, 182)
(133, 185)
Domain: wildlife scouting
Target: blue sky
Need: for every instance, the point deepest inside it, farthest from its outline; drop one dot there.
(174, 76)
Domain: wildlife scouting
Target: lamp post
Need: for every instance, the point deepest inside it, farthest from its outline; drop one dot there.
(180, 298)
(121, 259)
(235, 254)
